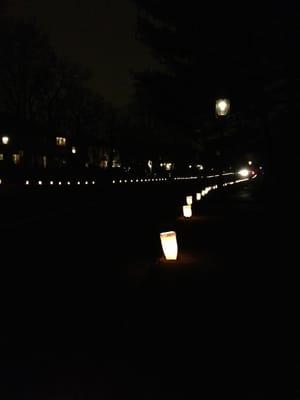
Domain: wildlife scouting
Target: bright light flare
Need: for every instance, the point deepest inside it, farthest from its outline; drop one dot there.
(244, 172)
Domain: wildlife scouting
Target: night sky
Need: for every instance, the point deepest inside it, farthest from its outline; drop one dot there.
(98, 34)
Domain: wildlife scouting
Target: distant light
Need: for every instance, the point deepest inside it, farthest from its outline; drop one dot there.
(51, 182)
(93, 182)
(244, 172)
(222, 107)
(61, 141)
(113, 181)
(169, 245)
(190, 166)
(189, 200)
(74, 150)
(59, 182)
(260, 168)
(198, 196)
(249, 162)
(40, 182)
(27, 183)
(78, 183)
(86, 182)
(5, 139)
(68, 183)
(187, 211)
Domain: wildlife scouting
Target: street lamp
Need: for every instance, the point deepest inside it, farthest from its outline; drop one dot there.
(222, 107)
(5, 139)
(222, 111)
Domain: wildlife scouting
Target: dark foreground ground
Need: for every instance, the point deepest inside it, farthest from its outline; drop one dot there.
(91, 311)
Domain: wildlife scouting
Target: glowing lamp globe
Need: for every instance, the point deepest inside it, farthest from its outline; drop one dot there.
(169, 245)
(189, 200)
(5, 139)
(222, 107)
(187, 211)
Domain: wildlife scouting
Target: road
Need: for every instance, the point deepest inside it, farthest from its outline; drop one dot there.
(91, 310)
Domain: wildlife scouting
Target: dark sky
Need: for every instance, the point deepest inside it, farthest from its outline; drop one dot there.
(98, 34)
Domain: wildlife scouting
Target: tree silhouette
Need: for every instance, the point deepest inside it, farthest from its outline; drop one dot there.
(39, 93)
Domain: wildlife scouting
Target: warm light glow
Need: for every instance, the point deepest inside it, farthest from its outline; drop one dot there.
(5, 139)
(74, 150)
(61, 141)
(244, 172)
(189, 200)
(198, 196)
(169, 245)
(222, 107)
(187, 211)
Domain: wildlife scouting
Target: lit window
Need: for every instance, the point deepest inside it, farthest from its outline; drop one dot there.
(45, 161)
(61, 141)
(16, 159)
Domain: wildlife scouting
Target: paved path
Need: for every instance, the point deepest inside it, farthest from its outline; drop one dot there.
(82, 319)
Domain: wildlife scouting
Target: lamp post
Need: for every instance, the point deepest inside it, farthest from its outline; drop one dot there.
(222, 111)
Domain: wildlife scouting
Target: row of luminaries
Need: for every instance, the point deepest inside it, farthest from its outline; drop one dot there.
(168, 239)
